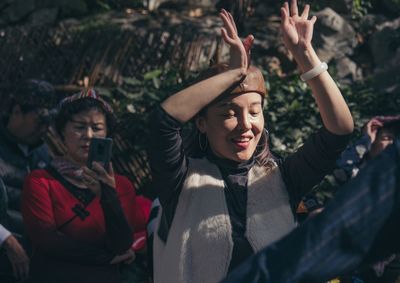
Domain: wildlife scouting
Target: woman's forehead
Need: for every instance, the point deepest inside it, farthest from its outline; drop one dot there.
(91, 115)
(244, 99)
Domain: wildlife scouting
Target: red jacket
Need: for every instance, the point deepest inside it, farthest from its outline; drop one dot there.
(77, 253)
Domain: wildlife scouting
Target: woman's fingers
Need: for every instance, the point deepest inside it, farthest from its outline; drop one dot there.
(226, 22)
(284, 16)
(103, 175)
(313, 19)
(128, 256)
(98, 169)
(306, 11)
(23, 270)
(226, 38)
(230, 28)
(89, 173)
(294, 10)
(248, 42)
(110, 169)
(232, 21)
(286, 8)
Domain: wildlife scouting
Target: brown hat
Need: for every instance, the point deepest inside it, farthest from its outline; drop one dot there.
(253, 82)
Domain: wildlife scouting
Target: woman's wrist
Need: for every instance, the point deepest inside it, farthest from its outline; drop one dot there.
(238, 74)
(306, 59)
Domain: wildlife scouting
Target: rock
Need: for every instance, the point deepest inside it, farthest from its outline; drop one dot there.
(334, 37)
(385, 49)
(384, 43)
(368, 24)
(347, 71)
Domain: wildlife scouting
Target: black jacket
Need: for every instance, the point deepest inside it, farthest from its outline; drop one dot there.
(15, 164)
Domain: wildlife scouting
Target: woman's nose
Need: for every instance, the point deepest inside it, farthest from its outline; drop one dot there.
(244, 122)
(89, 133)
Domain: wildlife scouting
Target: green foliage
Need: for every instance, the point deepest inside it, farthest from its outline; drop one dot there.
(360, 8)
(135, 99)
(291, 113)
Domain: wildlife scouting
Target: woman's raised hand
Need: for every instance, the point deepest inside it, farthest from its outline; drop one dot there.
(297, 30)
(371, 128)
(239, 50)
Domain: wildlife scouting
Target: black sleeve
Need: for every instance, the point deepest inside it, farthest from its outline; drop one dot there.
(118, 232)
(167, 159)
(360, 225)
(305, 168)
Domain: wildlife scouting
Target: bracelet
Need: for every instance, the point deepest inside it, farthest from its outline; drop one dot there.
(317, 70)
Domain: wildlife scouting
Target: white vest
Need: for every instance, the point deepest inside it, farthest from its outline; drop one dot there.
(199, 245)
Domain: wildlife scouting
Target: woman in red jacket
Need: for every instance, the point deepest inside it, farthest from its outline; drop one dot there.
(80, 220)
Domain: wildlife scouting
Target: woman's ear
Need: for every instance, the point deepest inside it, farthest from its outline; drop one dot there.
(200, 123)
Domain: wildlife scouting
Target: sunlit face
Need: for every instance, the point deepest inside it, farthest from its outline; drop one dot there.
(234, 126)
(384, 138)
(80, 130)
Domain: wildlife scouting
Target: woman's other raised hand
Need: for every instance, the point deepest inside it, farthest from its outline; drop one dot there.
(239, 50)
(297, 30)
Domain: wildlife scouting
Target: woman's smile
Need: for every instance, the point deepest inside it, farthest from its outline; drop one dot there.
(242, 142)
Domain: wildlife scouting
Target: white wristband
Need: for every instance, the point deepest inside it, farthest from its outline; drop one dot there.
(317, 70)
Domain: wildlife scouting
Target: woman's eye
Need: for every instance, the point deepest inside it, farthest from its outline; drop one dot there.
(255, 113)
(229, 115)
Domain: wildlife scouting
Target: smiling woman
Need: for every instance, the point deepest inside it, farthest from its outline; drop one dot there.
(80, 220)
(230, 196)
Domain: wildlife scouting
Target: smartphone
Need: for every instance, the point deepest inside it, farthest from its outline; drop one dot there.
(100, 150)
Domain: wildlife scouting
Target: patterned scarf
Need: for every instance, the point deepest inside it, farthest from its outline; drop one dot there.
(70, 170)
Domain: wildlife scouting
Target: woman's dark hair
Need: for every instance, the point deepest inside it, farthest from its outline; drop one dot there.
(69, 109)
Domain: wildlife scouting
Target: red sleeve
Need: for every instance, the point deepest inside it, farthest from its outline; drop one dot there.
(136, 209)
(37, 212)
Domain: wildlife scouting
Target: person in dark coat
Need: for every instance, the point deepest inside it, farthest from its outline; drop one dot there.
(23, 126)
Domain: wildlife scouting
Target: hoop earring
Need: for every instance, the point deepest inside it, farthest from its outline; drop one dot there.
(203, 145)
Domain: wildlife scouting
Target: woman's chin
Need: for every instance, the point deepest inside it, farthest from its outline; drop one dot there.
(241, 157)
